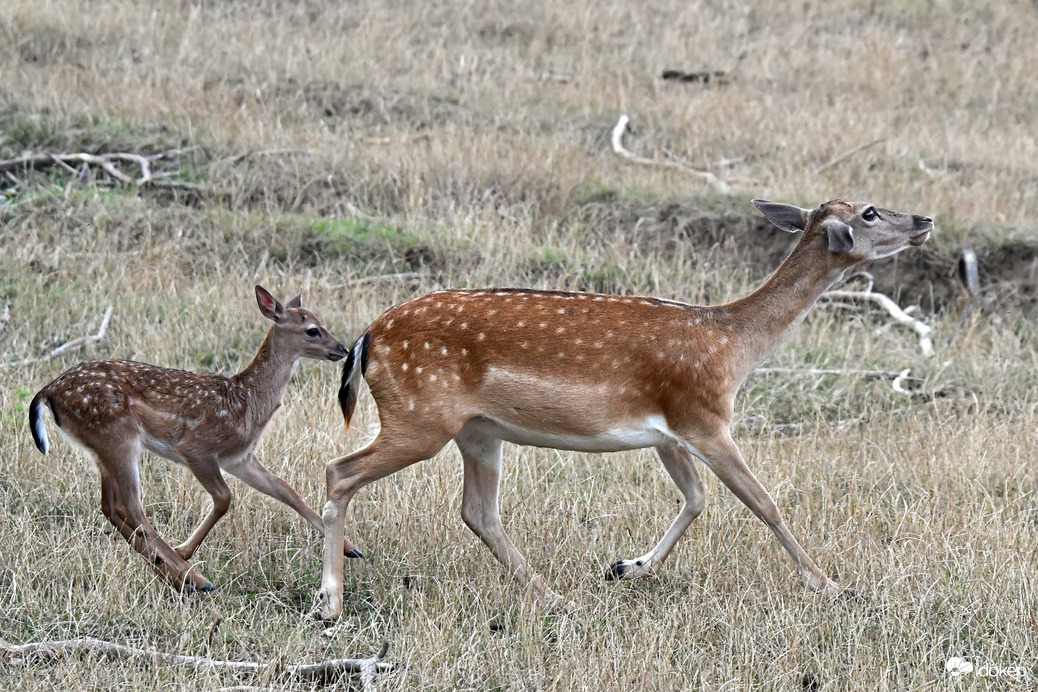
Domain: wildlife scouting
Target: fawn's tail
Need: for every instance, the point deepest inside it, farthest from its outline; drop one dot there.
(39, 433)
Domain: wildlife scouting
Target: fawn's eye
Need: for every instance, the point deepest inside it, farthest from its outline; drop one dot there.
(869, 214)
(313, 332)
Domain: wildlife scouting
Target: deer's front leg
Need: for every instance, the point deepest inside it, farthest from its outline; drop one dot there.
(724, 459)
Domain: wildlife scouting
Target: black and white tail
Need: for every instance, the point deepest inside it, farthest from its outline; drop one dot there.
(356, 364)
(39, 433)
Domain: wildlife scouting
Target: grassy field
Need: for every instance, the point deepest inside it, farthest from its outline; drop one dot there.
(365, 152)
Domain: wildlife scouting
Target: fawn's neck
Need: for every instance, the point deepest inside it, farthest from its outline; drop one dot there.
(265, 379)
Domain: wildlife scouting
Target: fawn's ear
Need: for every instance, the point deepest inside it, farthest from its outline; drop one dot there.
(296, 302)
(785, 216)
(841, 236)
(269, 305)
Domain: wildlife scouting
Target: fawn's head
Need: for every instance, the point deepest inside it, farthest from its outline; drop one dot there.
(300, 327)
(855, 231)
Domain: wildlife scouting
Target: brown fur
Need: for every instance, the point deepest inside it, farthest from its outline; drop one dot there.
(593, 372)
(208, 423)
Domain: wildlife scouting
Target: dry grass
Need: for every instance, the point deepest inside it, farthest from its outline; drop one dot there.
(468, 145)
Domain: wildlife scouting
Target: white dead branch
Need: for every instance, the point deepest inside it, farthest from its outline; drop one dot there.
(109, 163)
(866, 374)
(924, 332)
(329, 669)
(898, 379)
(74, 343)
(618, 147)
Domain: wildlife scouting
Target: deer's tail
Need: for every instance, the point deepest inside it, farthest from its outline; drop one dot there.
(352, 373)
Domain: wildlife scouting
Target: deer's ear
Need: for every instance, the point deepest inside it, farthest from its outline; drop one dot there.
(785, 216)
(841, 236)
(269, 305)
(296, 302)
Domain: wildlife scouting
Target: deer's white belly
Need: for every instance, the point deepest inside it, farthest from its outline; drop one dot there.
(650, 432)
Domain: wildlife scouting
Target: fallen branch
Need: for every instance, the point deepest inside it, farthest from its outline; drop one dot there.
(109, 164)
(618, 148)
(924, 332)
(370, 667)
(753, 424)
(866, 374)
(847, 154)
(325, 670)
(80, 341)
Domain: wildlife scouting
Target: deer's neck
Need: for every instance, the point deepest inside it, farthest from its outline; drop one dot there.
(264, 380)
(764, 319)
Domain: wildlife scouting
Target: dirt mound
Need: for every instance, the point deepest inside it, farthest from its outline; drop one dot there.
(930, 277)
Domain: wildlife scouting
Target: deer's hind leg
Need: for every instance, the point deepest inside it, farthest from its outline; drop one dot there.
(121, 504)
(396, 447)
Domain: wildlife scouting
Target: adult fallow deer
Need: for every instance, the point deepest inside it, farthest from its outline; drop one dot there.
(593, 373)
(208, 423)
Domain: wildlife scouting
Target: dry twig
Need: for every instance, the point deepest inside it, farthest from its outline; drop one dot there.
(847, 154)
(109, 164)
(324, 670)
(80, 341)
(618, 147)
(924, 332)
(866, 374)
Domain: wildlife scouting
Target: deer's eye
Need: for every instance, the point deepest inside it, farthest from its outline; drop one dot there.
(313, 332)
(870, 214)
